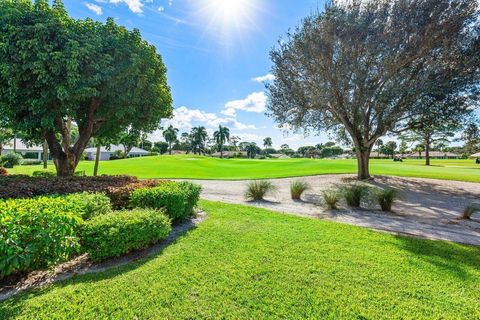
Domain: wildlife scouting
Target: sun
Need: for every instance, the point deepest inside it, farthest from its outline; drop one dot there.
(224, 15)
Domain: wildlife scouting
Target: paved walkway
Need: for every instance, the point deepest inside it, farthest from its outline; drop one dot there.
(427, 208)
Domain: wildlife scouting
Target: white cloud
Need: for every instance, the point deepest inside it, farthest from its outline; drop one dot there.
(93, 7)
(255, 102)
(134, 5)
(266, 78)
(185, 118)
(161, 9)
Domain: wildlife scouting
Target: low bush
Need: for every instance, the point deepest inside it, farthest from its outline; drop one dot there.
(90, 204)
(355, 193)
(114, 234)
(257, 190)
(120, 196)
(470, 210)
(37, 233)
(331, 199)
(11, 159)
(3, 171)
(44, 174)
(31, 162)
(386, 197)
(20, 186)
(297, 188)
(177, 199)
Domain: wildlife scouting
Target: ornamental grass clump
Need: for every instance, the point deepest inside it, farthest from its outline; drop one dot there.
(331, 199)
(386, 197)
(257, 190)
(355, 193)
(470, 210)
(297, 188)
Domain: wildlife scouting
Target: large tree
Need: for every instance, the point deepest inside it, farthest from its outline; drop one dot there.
(198, 139)
(221, 136)
(56, 72)
(362, 67)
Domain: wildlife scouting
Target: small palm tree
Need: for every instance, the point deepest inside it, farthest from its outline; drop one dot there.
(221, 136)
(252, 150)
(170, 135)
(267, 142)
(198, 137)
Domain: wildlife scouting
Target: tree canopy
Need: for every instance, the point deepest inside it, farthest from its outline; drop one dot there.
(366, 67)
(56, 71)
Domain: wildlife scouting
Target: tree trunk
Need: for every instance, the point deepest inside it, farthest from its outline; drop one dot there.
(45, 154)
(15, 144)
(427, 151)
(97, 160)
(363, 160)
(170, 148)
(221, 151)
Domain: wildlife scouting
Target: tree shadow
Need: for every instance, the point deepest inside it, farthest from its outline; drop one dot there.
(461, 261)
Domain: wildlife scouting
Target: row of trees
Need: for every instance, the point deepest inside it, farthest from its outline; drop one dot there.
(365, 69)
(58, 73)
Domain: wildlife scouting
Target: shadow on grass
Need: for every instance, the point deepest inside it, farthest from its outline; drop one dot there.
(460, 261)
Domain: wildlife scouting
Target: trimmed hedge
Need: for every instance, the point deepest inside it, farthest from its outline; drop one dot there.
(20, 186)
(120, 196)
(178, 199)
(37, 233)
(117, 233)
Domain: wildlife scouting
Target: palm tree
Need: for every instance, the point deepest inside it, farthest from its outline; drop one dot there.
(221, 136)
(198, 137)
(170, 135)
(379, 145)
(267, 142)
(252, 150)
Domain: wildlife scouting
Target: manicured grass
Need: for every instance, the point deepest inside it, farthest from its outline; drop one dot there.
(195, 167)
(249, 263)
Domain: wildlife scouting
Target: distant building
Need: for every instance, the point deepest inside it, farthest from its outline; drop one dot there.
(435, 155)
(29, 152)
(106, 153)
(476, 155)
(279, 156)
(230, 154)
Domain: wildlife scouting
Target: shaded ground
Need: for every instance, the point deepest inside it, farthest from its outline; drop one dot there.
(428, 208)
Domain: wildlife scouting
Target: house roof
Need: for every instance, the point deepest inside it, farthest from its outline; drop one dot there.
(21, 146)
(112, 148)
(436, 154)
(475, 155)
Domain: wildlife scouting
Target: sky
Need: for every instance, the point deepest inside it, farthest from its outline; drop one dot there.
(217, 56)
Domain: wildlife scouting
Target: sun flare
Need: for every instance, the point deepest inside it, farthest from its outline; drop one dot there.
(229, 14)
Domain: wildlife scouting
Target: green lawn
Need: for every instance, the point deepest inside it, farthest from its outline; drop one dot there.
(249, 263)
(195, 167)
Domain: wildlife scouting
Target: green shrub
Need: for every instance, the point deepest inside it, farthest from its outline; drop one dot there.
(117, 233)
(257, 190)
(80, 173)
(331, 199)
(43, 174)
(37, 233)
(297, 188)
(11, 159)
(470, 210)
(120, 196)
(90, 204)
(178, 199)
(355, 193)
(386, 197)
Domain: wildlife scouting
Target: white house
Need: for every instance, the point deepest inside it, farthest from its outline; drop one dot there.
(31, 152)
(106, 153)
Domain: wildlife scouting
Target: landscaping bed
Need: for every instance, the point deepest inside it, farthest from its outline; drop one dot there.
(41, 232)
